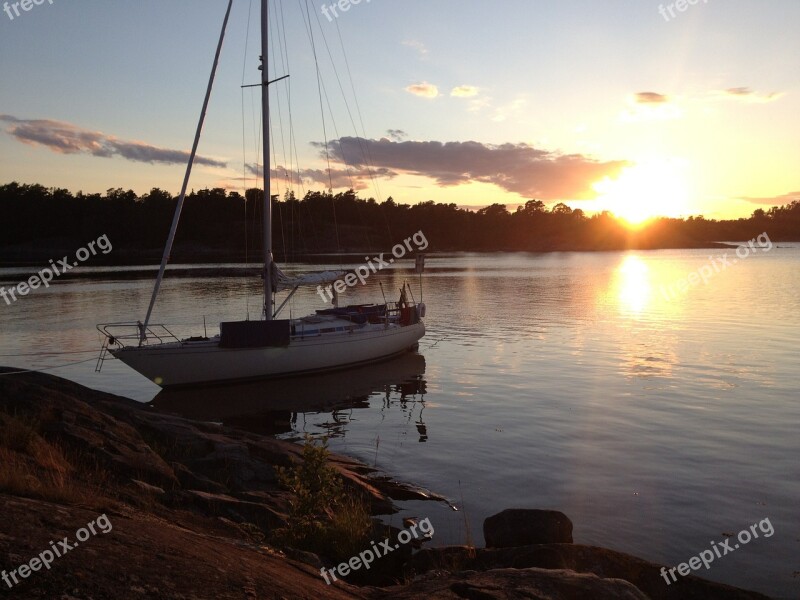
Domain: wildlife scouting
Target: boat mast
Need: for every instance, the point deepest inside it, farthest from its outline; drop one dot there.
(267, 219)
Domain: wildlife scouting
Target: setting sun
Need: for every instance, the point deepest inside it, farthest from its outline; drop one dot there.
(643, 191)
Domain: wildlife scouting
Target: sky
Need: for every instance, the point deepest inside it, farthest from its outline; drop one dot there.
(634, 106)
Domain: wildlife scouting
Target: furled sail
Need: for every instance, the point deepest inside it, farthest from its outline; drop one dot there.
(285, 282)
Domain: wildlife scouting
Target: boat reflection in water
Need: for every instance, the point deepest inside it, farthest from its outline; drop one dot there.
(274, 406)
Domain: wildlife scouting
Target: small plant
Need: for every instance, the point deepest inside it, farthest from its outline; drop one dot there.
(35, 466)
(15, 476)
(315, 485)
(349, 530)
(17, 432)
(39, 472)
(322, 519)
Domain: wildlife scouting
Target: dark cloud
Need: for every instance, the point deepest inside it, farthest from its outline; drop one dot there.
(397, 135)
(651, 98)
(745, 93)
(356, 178)
(517, 168)
(66, 138)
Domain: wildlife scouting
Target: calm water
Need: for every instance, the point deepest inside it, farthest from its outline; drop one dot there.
(657, 422)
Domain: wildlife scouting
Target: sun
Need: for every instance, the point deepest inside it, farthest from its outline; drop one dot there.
(644, 191)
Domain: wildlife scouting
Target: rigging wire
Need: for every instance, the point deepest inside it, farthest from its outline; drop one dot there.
(358, 133)
(278, 102)
(286, 182)
(365, 159)
(48, 353)
(181, 200)
(307, 16)
(292, 175)
(293, 158)
(255, 113)
(292, 140)
(360, 136)
(348, 167)
(310, 33)
(42, 370)
(368, 155)
(244, 150)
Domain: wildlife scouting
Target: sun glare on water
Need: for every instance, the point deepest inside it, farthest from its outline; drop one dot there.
(644, 191)
(634, 284)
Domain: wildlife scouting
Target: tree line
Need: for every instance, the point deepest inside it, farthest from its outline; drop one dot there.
(225, 226)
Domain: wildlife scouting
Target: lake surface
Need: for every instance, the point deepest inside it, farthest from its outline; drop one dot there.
(656, 419)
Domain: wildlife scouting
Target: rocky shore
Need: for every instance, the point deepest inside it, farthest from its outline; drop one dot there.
(193, 504)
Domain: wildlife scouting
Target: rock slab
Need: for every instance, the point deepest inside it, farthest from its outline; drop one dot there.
(515, 527)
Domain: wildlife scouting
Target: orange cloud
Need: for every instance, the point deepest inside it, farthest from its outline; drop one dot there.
(423, 90)
(517, 168)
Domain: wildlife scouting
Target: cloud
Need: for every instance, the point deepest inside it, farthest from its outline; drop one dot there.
(514, 108)
(517, 168)
(654, 106)
(509, 110)
(357, 178)
(396, 135)
(748, 95)
(464, 91)
(479, 104)
(650, 106)
(66, 138)
(739, 91)
(424, 90)
(651, 98)
(774, 200)
(421, 49)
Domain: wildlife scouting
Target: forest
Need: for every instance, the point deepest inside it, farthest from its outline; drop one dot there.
(216, 225)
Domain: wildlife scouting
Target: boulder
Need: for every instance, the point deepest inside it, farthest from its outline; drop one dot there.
(523, 527)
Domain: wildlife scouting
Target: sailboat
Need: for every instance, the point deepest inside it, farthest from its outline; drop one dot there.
(330, 339)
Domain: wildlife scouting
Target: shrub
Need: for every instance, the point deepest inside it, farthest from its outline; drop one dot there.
(322, 518)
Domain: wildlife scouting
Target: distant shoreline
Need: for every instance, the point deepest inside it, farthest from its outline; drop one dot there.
(217, 227)
(39, 256)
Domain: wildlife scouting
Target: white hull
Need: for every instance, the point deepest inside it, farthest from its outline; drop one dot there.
(343, 390)
(193, 363)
